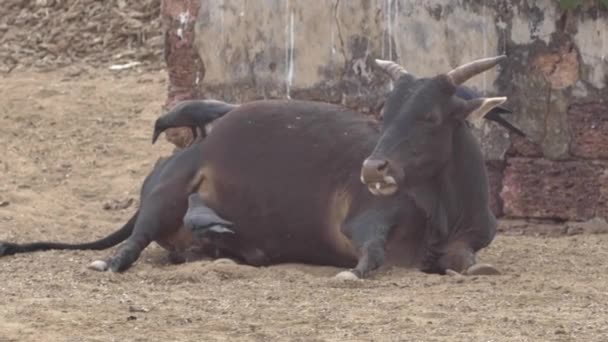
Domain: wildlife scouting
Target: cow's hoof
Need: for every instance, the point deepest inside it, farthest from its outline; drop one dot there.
(452, 273)
(482, 269)
(117, 265)
(123, 259)
(98, 265)
(347, 276)
(224, 261)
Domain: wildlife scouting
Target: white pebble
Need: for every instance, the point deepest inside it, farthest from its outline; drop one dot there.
(98, 265)
(346, 275)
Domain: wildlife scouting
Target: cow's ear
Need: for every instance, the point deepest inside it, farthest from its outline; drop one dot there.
(475, 109)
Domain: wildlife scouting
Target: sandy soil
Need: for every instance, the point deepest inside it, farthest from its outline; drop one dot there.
(75, 147)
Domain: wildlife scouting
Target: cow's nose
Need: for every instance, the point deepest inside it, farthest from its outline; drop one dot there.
(373, 170)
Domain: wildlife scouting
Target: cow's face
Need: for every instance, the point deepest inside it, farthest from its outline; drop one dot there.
(419, 118)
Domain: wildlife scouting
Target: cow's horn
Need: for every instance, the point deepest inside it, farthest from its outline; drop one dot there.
(393, 69)
(466, 71)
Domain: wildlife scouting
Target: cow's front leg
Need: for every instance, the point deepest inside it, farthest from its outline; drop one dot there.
(368, 233)
(460, 258)
(456, 256)
(459, 254)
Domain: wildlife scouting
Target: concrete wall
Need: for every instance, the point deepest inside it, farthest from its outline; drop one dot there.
(240, 50)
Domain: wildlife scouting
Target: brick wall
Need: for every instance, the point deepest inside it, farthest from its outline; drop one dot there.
(572, 188)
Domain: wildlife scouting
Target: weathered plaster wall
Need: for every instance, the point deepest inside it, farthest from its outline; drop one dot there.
(555, 77)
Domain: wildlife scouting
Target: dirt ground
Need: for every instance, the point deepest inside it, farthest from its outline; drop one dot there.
(75, 147)
(48, 33)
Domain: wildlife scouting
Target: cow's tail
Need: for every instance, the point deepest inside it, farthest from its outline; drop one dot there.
(8, 248)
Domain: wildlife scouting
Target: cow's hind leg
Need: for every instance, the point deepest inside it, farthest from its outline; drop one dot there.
(368, 233)
(161, 214)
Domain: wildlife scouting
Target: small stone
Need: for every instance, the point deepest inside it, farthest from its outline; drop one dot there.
(346, 276)
(136, 309)
(117, 204)
(4, 203)
(98, 265)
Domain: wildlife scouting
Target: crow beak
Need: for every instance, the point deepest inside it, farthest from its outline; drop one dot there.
(155, 136)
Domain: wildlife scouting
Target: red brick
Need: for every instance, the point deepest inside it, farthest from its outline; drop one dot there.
(566, 190)
(589, 130)
(523, 147)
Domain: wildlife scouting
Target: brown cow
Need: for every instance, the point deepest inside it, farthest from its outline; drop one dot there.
(280, 181)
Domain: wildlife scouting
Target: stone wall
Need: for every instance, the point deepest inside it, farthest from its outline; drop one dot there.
(555, 78)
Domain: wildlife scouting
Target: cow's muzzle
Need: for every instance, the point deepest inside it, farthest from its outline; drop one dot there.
(375, 173)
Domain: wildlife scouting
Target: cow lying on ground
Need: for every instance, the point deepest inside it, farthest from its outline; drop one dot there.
(281, 182)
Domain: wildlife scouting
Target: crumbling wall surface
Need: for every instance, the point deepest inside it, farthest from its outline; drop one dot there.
(323, 50)
(185, 67)
(556, 81)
